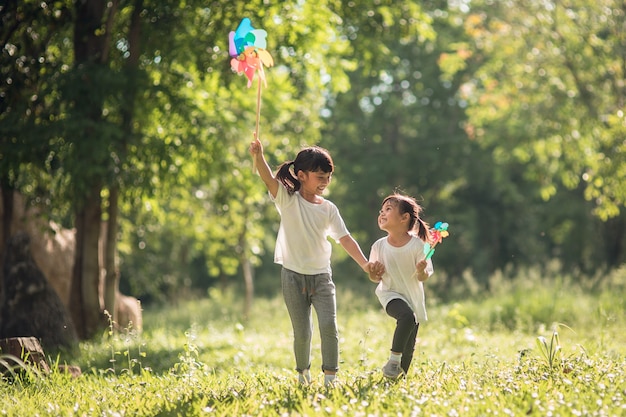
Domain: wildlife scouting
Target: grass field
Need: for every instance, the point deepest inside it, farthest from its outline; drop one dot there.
(529, 348)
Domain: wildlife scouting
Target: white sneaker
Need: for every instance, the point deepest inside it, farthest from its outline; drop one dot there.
(392, 370)
(304, 377)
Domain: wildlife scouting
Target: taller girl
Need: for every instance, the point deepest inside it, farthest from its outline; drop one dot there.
(303, 250)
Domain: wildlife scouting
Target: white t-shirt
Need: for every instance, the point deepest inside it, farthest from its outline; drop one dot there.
(302, 243)
(400, 277)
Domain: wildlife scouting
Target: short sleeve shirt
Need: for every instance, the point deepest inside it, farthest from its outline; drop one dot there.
(400, 278)
(302, 243)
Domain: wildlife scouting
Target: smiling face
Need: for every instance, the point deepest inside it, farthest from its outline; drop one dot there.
(390, 219)
(314, 183)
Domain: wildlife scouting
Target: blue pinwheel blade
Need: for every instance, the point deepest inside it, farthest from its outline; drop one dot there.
(244, 28)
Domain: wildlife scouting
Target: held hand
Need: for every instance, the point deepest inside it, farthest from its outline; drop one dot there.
(375, 271)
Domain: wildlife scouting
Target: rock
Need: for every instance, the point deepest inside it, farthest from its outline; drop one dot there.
(27, 349)
(30, 307)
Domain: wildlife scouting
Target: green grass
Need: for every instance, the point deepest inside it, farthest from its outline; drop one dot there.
(543, 349)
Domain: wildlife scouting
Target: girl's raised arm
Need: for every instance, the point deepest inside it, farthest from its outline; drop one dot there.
(256, 149)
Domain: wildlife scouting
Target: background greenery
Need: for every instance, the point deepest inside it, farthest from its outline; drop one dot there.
(505, 119)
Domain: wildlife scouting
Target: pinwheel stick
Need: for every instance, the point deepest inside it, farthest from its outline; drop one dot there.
(258, 115)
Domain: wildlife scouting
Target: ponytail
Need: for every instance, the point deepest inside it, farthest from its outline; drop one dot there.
(422, 230)
(285, 176)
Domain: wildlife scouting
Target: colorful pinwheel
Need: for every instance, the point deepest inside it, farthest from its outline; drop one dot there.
(247, 49)
(437, 233)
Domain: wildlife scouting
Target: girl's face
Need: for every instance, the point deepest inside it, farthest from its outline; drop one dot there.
(314, 182)
(390, 218)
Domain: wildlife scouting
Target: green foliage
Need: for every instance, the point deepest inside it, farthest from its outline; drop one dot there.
(446, 101)
(560, 60)
(550, 352)
(537, 299)
(201, 358)
(132, 347)
(15, 370)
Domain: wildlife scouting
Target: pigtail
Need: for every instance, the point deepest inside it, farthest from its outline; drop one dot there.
(285, 176)
(423, 230)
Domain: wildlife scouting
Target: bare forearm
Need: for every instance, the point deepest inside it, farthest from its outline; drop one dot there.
(354, 250)
(263, 168)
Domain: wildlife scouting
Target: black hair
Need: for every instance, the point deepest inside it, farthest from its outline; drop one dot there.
(408, 204)
(310, 159)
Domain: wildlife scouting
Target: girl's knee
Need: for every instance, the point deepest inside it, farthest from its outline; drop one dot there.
(303, 336)
(408, 317)
(328, 329)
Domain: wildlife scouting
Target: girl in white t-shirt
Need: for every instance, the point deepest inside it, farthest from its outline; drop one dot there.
(302, 248)
(399, 267)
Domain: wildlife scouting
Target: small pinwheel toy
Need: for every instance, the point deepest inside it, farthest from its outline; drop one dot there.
(437, 233)
(247, 49)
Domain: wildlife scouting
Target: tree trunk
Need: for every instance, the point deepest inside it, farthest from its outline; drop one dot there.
(223, 283)
(248, 274)
(85, 297)
(615, 232)
(111, 278)
(7, 212)
(7, 218)
(248, 277)
(90, 56)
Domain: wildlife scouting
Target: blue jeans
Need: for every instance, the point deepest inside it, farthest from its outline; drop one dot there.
(300, 293)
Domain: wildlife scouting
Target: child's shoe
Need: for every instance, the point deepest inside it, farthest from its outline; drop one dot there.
(392, 370)
(330, 380)
(304, 377)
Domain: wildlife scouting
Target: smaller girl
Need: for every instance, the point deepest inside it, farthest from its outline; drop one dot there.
(399, 267)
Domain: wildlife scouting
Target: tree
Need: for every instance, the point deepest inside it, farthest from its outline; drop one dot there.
(27, 148)
(128, 112)
(561, 60)
(140, 116)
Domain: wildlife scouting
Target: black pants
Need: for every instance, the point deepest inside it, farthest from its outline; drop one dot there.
(406, 331)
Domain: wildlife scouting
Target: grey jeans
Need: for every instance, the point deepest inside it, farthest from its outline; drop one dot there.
(300, 292)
